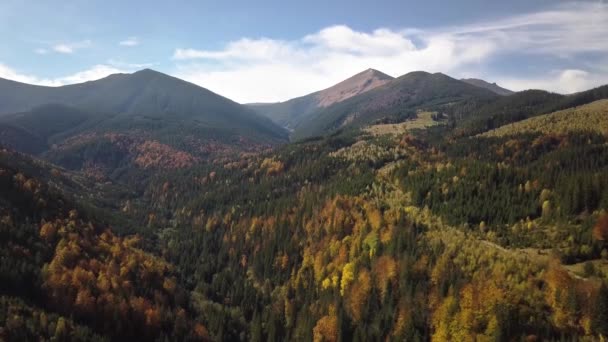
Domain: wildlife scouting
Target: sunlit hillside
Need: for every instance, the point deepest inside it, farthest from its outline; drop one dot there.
(592, 117)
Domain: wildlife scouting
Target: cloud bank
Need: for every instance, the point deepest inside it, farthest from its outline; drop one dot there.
(264, 69)
(93, 73)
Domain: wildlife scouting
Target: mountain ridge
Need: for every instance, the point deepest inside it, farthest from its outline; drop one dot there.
(395, 101)
(487, 85)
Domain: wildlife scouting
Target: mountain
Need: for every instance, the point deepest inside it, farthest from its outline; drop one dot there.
(290, 113)
(396, 100)
(141, 98)
(147, 116)
(487, 85)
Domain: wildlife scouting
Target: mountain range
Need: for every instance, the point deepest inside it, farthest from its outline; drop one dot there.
(151, 120)
(415, 208)
(393, 101)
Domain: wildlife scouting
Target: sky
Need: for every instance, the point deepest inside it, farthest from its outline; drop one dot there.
(267, 51)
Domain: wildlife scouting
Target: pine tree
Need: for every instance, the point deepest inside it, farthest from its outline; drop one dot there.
(600, 319)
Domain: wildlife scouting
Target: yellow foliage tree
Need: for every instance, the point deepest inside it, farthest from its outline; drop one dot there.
(348, 275)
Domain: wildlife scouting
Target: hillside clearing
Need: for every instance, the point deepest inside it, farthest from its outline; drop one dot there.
(423, 120)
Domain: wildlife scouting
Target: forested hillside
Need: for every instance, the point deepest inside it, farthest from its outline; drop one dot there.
(587, 118)
(519, 106)
(65, 276)
(456, 240)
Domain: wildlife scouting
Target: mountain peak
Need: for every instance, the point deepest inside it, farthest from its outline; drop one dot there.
(366, 74)
(148, 74)
(352, 86)
(373, 73)
(148, 71)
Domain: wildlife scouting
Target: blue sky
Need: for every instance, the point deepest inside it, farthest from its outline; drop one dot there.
(255, 51)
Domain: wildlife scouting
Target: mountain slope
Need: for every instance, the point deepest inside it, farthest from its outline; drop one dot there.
(592, 117)
(394, 101)
(60, 259)
(290, 113)
(40, 127)
(520, 106)
(487, 85)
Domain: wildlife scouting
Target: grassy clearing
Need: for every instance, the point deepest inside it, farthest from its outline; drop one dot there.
(423, 120)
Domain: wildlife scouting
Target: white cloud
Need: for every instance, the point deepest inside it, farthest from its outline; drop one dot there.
(244, 49)
(9, 73)
(131, 41)
(63, 48)
(130, 66)
(343, 39)
(93, 73)
(69, 48)
(270, 70)
(562, 81)
(41, 51)
(264, 69)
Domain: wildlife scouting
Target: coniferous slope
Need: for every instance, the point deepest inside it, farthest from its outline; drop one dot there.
(592, 117)
(394, 101)
(519, 106)
(290, 113)
(35, 131)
